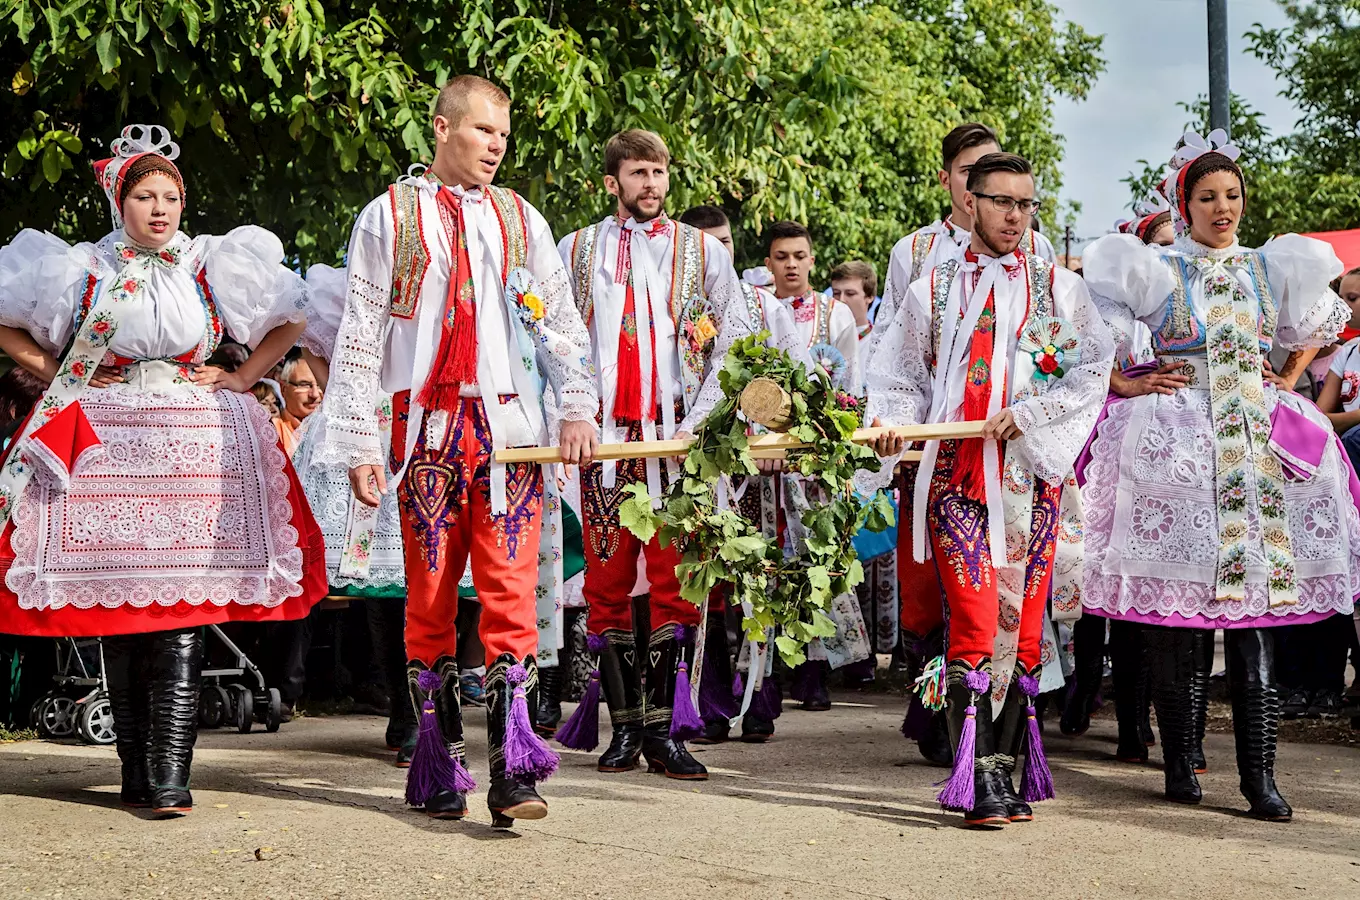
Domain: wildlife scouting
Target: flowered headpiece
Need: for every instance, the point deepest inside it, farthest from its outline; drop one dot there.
(135, 142)
(1192, 148)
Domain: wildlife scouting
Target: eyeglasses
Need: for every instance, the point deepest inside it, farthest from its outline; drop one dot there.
(304, 385)
(1006, 204)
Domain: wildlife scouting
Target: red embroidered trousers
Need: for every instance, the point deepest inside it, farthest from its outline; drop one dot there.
(612, 551)
(445, 502)
(958, 535)
(921, 604)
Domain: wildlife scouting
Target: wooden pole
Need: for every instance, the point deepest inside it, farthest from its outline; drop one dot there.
(766, 446)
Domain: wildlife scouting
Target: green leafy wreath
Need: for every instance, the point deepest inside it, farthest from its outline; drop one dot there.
(719, 546)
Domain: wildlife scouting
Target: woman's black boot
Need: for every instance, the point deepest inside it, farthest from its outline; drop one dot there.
(125, 669)
(1256, 718)
(1129, 674)
(1170, 665)
(174, 664)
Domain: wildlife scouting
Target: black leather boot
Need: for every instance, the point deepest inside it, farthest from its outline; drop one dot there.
(125, 669)
(415, 699)
(621, 681)
(1169, 664)
(1088, 636)
(448, 710)
(510, 796)
(809, 686)
(1256, 718)
(1128, 673)
(549, 712)
(717, 670)
(664, 754)
(1010, 729)
(989, 794)
(1202, 662)
(174, 664)
(386, 620)
(934, 744)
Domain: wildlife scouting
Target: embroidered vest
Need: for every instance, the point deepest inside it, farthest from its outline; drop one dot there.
(687, 269)
(1039, 273)
(1181, 329)
(411, 252)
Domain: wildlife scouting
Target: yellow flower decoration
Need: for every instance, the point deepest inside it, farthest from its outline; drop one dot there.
(534, 304)
(704, 330)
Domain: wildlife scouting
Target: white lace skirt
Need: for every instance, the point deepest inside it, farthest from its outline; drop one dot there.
(1152, 536)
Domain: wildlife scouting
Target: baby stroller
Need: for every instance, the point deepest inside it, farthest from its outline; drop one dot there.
(242, 699)
(78, 704)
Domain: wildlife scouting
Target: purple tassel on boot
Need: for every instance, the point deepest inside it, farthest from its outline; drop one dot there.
(526, 754)
(959, 793)
(1036, 783)
(433, 768)
(916, 723)
(738, 688)
(685, 721)
(582, 730)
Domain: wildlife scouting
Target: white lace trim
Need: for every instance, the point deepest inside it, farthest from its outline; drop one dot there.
(165, 451)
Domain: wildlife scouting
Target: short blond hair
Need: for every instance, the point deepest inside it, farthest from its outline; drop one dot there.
(858, 268)
(635, 143)
(452, 102)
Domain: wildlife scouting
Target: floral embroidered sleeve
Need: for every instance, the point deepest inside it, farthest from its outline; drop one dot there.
(1057, 422)
(565, 353)
(733, 322)
(1300, 270)
(352, 435)
(43, 282)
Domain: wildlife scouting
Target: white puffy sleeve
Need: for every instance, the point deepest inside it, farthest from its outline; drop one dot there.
(351, 437)
(1300, 270)
(1121, 271)
(1057, 422)
(255, 293)
(898, 376)
(42, 279)
(325, 307)
(733, 314)
(565, 350)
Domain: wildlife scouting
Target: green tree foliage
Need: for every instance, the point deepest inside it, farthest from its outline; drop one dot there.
(1308, 180)
(294, 114)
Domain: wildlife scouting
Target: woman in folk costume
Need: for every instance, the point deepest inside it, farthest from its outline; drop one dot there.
(1225, 504)
(458, 305)
(1005, 337)
(363, 543)
(148, 496)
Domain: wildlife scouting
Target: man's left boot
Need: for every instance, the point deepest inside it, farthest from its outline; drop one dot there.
(1088, 638)
(125, 660)
(1010, 729)
(174, 669)
(1256, 718)
(519, 758)
(549, 712)
(668, 648)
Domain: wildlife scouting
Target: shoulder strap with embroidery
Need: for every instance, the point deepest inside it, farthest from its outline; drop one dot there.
(1040, 285)
(514, 229)
(687, 268)
(753, 304)
(941, 281)
(1270, 307)
(920, 252)
(583, 269)
(410, 252)
(822, 332)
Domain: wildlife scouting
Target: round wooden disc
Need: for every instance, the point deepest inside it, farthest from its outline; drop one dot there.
(766, 403)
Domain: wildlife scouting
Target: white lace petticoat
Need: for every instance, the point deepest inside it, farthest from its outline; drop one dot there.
(1152, 538)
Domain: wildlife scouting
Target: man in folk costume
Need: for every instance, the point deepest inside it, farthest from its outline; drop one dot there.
(447, 271)
(829, 331)
(921, 609)
(1001, 336)
(760, 500)
(663, 305)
